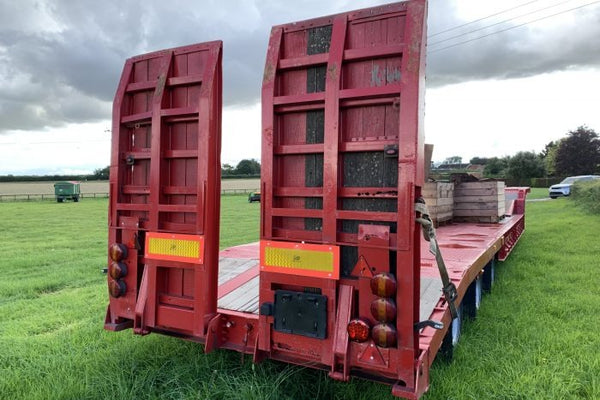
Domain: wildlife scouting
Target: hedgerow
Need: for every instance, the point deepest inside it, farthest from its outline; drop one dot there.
(587, 195)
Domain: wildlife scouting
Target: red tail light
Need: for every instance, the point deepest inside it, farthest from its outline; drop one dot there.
(117, 251)
(383, 285)
(358, 330)
(383, 310)
(384, 335)
(116, 288)
(117, 270)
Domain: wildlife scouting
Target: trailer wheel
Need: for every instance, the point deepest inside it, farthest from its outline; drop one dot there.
(489, 275)
(472, 299)
(452, 336)
(59, 199)
(75, 199)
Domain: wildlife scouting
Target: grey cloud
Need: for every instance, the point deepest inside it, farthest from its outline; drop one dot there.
(70, 72)
(515, 53)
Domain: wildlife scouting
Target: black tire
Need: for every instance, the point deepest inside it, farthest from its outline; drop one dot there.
(553, 197)
(489, 275)
(75, 199)
(452, 337)
(59, 199)
(472, 300)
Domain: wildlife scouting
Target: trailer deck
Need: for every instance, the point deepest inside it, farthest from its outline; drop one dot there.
(467, 248)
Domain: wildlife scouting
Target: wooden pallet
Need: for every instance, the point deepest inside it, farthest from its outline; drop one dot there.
(479, 201)
(439, 197)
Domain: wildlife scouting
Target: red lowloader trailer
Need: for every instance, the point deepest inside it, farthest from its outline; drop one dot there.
(343, 279)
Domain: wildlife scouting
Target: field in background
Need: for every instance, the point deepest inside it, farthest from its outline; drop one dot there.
(538, 193)
(536, 335)
(102, 187)
(48, 187)
(10, 188)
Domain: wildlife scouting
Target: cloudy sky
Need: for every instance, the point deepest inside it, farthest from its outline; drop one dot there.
(502, 75)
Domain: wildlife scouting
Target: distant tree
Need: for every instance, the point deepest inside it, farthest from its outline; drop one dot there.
(496, 166)
(578, 153)
(248, 167)
(227, 169)
(548, 148)
(479, 160)
(102, 173)
(453, 160)
(548, 155)
(525, 164)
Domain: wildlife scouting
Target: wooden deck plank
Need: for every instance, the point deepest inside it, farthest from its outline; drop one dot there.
(431, 290)
(244, 298)
(232, 267)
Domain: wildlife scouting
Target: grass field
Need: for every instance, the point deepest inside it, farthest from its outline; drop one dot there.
(538, 193)
(9, 188)
(536, 335)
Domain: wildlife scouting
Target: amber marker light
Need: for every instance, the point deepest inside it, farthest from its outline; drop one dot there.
(116, 288)
(383, 285)
(358, 330)
(117, 251)
(383, 310)
(384, 335)
(117, 270)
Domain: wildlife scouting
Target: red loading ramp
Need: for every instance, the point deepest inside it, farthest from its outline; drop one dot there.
(342, 162)
(165, 180)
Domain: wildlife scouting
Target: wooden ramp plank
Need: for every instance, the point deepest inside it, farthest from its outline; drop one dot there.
(232, 267)
(431, 291)
(243, 299)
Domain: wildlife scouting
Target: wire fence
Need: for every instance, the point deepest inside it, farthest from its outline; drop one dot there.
(47, 196)
(225, 192)
(100, 195)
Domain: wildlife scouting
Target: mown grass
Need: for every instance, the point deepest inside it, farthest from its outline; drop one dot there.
(536, 336)
(239, 222)
(538, 193)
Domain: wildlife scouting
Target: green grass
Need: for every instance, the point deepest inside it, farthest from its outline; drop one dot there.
(538, 193)
(239, 221)
(536, 335)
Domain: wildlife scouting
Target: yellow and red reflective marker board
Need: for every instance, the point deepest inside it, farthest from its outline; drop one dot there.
(314, 260)
(175, 247)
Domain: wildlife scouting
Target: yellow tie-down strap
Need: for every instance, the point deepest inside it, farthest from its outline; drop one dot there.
(175, 247)
(314, 260)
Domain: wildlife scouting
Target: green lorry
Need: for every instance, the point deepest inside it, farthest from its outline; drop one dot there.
(67, 190)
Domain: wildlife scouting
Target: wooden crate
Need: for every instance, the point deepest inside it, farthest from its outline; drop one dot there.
(439, 197)
(479, 201)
